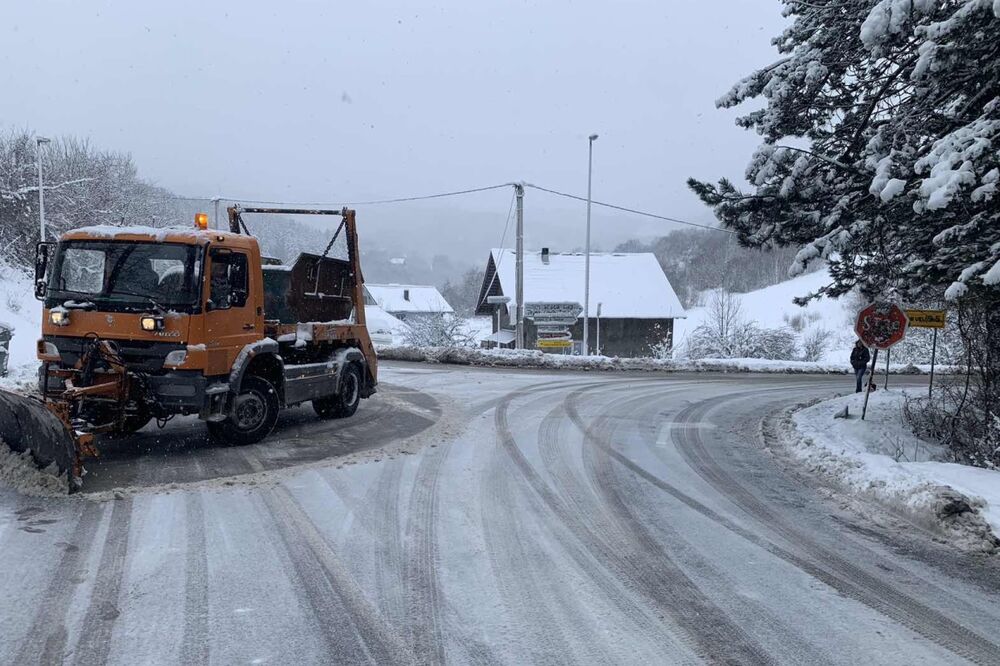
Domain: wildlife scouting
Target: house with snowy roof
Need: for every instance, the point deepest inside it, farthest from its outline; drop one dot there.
(632, 303)
(409, 301)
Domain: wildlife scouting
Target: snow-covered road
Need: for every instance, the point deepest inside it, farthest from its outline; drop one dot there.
(524, 517)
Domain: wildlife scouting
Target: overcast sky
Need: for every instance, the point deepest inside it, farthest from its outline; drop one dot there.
(334, 101)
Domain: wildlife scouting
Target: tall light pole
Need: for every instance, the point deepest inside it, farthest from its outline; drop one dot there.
(586, 270)
(39, 140)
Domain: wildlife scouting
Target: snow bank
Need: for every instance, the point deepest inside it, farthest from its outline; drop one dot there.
(882, 460)
(18, 471)
(525, 358)
(20, 310)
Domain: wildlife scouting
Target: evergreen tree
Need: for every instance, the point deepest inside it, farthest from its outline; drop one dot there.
(881, 146)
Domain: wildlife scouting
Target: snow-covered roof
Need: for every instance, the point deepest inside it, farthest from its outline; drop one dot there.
(627, 285)
(408, 298)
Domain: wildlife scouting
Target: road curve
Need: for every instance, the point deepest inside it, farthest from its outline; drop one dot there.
(503, 517)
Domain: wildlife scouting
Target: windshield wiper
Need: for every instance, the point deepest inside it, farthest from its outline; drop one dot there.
(160, 308)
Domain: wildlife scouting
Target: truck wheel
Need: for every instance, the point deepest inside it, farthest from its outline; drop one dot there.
(254, 414)
(346, 400)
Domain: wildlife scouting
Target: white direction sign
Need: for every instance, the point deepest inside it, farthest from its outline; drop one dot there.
(559, 312)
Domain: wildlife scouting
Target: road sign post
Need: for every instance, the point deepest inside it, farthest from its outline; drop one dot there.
(880, 325)
(930, 384)
(933, 319)
(552, 323)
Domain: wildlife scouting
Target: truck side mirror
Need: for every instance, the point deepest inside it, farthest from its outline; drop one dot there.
(42, 251)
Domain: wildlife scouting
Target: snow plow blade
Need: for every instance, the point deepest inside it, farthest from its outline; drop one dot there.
(26, 424)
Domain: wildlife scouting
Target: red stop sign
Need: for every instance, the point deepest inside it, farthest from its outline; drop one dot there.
(881, 325)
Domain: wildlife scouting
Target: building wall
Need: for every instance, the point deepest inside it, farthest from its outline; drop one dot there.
(619, 337)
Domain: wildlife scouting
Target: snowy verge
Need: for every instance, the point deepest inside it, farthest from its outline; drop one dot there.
(881, 460)
(527, 358)
(19, 471)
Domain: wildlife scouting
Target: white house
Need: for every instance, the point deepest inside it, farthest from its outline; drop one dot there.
(637, 303)
(405, 301)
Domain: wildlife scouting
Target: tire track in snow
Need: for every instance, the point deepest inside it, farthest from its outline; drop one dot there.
(844, 576)
(388, 532)
(514, 570)
(335, 598)
(99, 619)
(195, 645)
(377, 515)
(600, 467)
(608, 554)
(716, 636)
(45, 642)
(420, 548)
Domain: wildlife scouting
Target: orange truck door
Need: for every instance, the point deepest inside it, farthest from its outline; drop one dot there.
(230, 316)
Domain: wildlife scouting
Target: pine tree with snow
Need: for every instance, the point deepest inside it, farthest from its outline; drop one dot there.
(881, 155)
(881, 146)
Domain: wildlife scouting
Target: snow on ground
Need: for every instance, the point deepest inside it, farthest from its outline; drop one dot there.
(880, 458)
(479, 328)
(20, 310)
(19, 471)
(772, 307)
(385, 329)
(529, 358)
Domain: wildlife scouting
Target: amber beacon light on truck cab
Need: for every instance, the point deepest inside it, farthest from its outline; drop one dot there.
(147, 323)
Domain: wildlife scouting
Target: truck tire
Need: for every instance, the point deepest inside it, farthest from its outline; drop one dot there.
(255, 411)
(345, 402)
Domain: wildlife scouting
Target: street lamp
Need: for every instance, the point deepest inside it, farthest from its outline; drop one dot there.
(586, 270)
(39, 140)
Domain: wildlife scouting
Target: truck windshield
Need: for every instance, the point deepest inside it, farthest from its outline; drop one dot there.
(127, 274)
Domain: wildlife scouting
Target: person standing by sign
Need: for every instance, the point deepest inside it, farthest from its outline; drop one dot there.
(859, 361)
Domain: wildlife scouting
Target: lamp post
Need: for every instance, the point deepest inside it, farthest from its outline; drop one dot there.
(586, 269)
(39, 140)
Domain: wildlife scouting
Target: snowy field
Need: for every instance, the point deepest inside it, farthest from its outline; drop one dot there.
(20, 310)
(882, 459)
(772, 307)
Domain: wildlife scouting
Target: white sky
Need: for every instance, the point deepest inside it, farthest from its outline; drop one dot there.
(330, 101)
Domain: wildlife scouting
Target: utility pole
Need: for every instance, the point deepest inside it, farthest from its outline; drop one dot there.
(586, 270)
(519, 271)
(39, 140)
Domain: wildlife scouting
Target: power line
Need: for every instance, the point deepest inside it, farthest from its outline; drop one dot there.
(630, 210)
(350, 203)
(440, 195)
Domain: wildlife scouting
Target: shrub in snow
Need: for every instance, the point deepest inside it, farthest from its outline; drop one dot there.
(726, 334)
(815, 343)
(439, 331)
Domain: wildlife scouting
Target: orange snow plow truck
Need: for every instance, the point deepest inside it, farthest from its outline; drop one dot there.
(147, 323)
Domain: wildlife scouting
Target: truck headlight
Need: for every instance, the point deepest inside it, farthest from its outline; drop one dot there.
(150, 323)
(175, 358)
(59, 317)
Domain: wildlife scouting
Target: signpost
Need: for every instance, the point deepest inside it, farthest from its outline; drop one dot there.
(880, 325)
(933, 319)
(552, 322)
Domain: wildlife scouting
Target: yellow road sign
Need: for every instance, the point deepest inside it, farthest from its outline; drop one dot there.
(926, 318)
(555, 344)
